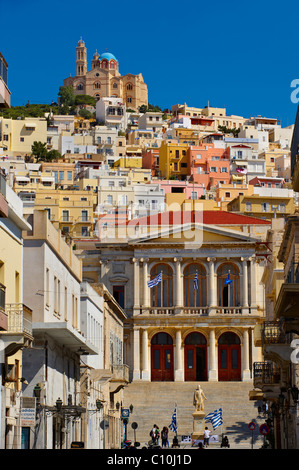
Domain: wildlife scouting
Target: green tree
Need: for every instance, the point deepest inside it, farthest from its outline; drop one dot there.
(85, 99)
(85, 114)
(66, 96)
(39, 150)
(52, 155)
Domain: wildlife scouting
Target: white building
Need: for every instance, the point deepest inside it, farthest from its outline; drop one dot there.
(112, 112)
(52, 367)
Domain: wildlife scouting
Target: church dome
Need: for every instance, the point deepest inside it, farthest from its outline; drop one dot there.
(107, 56)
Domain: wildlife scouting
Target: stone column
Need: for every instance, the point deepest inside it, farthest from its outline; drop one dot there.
(213, 368)
(244, 283)
(253, 283)
(212, 288)
(178, 283)
(136, 354)
(145, 286)
(178, 363)
(145, 356)
(136, 283)
(245, 351)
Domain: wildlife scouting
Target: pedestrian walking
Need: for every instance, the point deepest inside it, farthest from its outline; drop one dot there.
(164, 437)
(157, 435)
(206, 437)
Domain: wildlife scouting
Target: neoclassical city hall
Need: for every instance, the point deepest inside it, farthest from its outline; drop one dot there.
(191, 290)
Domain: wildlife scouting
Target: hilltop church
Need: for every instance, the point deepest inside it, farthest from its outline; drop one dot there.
(104, 79)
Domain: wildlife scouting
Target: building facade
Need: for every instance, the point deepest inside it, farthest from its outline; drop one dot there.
(105, 80)
(179, 333)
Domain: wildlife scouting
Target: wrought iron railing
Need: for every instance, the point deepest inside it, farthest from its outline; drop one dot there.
(19, 318)
(266, 373)
(272, 333)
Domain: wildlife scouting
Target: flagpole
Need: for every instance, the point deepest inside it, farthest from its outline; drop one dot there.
(161, 290)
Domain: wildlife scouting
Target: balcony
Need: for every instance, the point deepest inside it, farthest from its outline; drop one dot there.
(19, 328)
(196, 311)
(266, 374)
(120, 377)
(275, 343)
(288, 298)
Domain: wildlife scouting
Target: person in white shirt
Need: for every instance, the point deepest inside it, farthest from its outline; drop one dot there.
(206, 437)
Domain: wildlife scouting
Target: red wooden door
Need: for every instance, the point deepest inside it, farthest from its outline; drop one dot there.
(162, 363)
(195, 363)
(229, 362)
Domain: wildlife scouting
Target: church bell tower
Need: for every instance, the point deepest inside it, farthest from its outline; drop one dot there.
(81, 59)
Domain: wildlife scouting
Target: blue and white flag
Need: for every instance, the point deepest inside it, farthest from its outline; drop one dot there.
(215, 418)
(228, 280)
(154, 282)
(195, 286)
(173, 425)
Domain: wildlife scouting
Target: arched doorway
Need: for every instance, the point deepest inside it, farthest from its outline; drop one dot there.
(162, 293)
(162, 358)
(195, 286)
(228, 280)
(229, 357)
(195, 357)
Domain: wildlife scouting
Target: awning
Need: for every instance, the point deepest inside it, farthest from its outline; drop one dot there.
(22, 178)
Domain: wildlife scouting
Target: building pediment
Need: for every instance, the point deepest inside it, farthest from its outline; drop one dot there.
(191, 233)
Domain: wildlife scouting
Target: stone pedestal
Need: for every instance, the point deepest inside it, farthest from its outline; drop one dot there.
(198, 425)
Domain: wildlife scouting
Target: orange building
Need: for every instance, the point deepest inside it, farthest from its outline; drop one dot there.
(209, 165)
(150, 160)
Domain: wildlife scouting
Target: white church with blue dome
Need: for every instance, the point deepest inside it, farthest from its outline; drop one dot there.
(105, 80)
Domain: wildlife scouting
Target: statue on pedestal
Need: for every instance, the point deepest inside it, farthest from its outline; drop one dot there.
(198, 399)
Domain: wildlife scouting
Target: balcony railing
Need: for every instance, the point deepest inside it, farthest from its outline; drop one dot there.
(19, 319)
(205, 311)
(265, 373)
(120, 372)
(272, 333)
(292, 276)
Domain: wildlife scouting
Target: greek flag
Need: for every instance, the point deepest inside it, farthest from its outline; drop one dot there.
(195, 282)
(215, 418)
(173, 425)
(228, 279)
(154, 282)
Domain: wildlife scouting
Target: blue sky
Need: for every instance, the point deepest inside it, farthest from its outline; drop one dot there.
(233, 54)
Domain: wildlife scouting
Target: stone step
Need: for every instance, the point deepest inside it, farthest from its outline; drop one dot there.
(154, 403)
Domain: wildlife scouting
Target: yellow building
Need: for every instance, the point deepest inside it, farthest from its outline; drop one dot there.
(64, 172)
(173, 160)
(15, 317)
(225, 193)
(263, 206)
(128, 162)
(69, 210)
(18, 135)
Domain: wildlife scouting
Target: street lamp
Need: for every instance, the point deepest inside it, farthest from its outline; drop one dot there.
(99, 404)
(58, 404)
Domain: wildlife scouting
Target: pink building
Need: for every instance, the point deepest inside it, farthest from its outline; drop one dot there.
(267, 182)
(150, 160)
(209, 165)
(185, 187)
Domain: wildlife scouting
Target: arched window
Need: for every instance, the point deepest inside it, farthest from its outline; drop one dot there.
(112, 64)
(80, 86)
(228, 280)
(104, 64)
(97, 85)
(129, 86)
(129, 99)
(162, 294)
(114, 85)
(195, 286)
